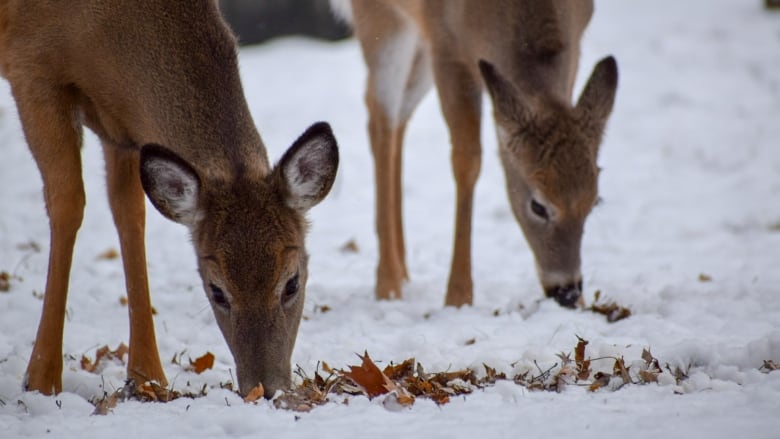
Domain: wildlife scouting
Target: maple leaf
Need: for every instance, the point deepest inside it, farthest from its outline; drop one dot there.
(368, 376)
(202, 363)
(256, 393)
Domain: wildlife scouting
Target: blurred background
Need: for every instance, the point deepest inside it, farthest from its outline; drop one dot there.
(256, 21)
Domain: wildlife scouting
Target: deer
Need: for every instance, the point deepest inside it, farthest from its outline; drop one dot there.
(526, 54)
(158, 82)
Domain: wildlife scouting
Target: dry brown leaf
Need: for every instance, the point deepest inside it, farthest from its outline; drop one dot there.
(256, 393)
(108, 255)
(582, 365)
(470, 342)
(369, 377)
(705, 277)
(399, 371)
(611, 310)
(106, 353)
(202, 363)
(123, 300)
(105, 404)
(769, 366)
(621, 370)
(648, 376)
(5, 281)
(350, 247)
(600, 379)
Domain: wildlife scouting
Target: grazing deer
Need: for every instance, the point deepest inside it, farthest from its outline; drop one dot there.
(526, 53)
(158, 81)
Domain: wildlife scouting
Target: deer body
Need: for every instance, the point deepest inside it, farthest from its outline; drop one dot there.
(158, 82)
(525, 53)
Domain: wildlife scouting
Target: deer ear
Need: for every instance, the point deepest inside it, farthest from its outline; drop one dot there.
(170, 183)
(509, 101)
(308, 168)
(598, 96)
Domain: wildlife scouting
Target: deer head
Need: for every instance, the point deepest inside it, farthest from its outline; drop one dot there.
(548, 150)
(249, 241)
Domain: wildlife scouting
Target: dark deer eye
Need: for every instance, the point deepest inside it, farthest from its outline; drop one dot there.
(539, 210)
(290, 289)
(218, 296)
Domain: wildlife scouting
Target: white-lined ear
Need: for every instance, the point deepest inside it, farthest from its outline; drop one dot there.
(598, 95)
(309, 167)
(170, 183)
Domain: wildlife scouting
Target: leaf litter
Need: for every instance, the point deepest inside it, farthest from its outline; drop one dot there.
(399, 385)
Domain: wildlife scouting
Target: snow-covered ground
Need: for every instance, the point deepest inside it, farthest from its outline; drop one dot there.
(691, 186)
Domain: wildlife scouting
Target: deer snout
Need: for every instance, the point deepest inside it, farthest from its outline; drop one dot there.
(567, 295)
(252, 375)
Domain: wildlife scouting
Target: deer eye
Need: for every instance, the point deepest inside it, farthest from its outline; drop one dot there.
(539, 210)
(290, 289)
(218, 297)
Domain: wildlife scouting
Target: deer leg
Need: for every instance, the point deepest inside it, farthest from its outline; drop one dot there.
(126, 197)
(392, 92)
(386, 152)
(54, 138)
(460, 97)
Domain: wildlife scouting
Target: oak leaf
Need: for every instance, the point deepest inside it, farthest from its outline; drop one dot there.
(368, 377)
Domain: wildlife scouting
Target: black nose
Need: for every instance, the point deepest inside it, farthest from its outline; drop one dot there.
(566, 296)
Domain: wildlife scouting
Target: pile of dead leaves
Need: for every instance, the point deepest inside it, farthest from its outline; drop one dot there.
(149, 391)
(399, 385)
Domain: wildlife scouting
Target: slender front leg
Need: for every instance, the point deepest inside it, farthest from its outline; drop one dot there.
(460, 97)
(391, 270)
(126, 197)
(55, 140)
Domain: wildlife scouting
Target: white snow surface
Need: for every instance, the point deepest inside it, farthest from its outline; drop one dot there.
(690, 182)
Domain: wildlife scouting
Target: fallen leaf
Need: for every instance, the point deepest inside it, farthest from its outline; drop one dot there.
(105, 404)
(123, 300)
(611, 310)
(621, 370)
(202, 363)
(369, 377)
(582, 365)
(104, 353)
(769, 366)
(256, 393)
(399, 371)
(5, 281)
(350, 247)
(108, 255)
(705, 277)
(648, 376)
(600, 379)
(470, 342)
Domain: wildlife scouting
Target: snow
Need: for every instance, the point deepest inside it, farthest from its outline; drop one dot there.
(690, 182)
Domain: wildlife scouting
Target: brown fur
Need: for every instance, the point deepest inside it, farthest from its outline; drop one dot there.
(159, 72)
(548, 148)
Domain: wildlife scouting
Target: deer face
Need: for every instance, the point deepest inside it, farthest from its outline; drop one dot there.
(249, 240)
(548, 151)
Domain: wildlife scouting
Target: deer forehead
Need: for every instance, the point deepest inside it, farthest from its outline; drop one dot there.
(253, 242)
